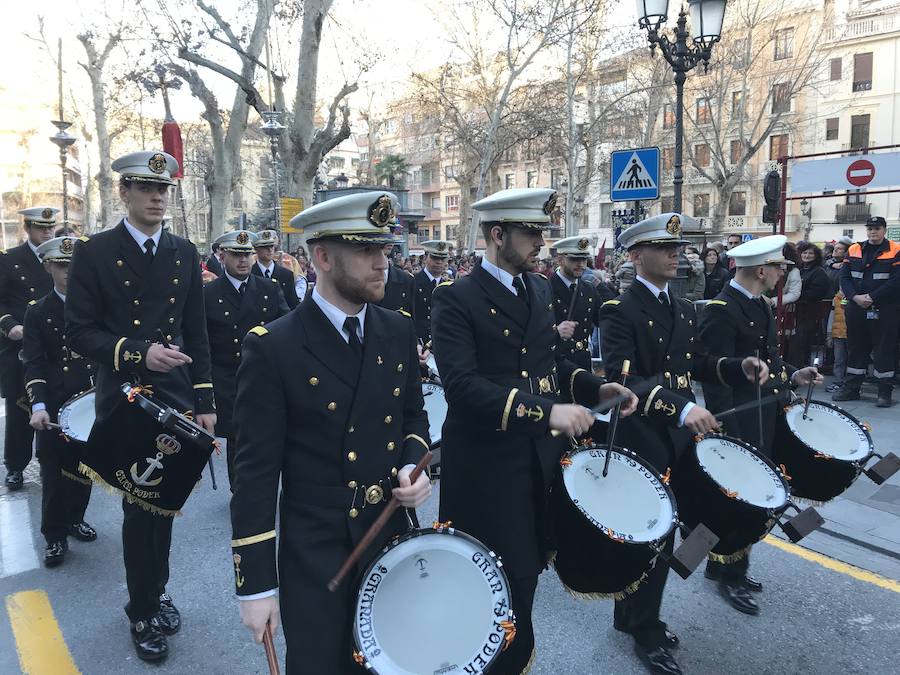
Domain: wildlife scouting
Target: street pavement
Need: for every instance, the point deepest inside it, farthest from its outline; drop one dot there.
(831, 608)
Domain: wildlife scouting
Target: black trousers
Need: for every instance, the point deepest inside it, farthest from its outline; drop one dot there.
(146, 540)
(638, 613)
(17, 445)
(515, 659)
(230, 449)
(64, 492)
(871, 336)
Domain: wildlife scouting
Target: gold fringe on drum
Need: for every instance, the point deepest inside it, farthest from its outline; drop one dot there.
(77, 479)
(131, 499)
(731, 557)
(530, 664)
(618, 595)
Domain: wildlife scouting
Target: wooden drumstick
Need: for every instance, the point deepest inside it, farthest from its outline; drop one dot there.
(614, 421)
(269, 646)
(812, 383)
(376, 527)
(759, 401)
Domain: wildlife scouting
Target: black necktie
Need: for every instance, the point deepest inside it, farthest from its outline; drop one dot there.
(351, 325)
(242, 287)
(148, 246)
(663, 298)
(520, 289)
(268, 274)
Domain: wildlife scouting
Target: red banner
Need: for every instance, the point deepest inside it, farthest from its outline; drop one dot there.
(171, 136)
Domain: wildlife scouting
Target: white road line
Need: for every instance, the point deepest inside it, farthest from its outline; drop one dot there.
(17, 553)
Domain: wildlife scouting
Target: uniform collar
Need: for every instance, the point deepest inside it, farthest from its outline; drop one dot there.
(735, 285)
(235, 282)
(34, 249)
(141, 238)
(428, 274)
(264, 269)
(337, 316)
(565, 279)
(500, 275)
(652, 287)
(61, 295)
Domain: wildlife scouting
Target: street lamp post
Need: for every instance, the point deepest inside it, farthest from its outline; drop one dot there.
(63, 140)
(707, 17)
(806, 212)
(272, 127)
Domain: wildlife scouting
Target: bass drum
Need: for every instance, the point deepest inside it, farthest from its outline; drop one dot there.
(822, 454)
(76, 417)
(731, 488)
(433, 601)
(436, 409)
(609, 530)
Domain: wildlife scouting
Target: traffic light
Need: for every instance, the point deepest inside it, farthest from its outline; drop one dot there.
(772, 195)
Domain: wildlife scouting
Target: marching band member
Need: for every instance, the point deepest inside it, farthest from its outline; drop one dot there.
(329, 404)
(266, 242)
(399, 288)
(574, 327)
(494, 335)
(737, 323)
(53, 374)
(657, 333)
(433, 272)
(125, 286)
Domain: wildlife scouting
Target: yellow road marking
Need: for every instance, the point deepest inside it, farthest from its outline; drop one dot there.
(835, 565)
(42, 649)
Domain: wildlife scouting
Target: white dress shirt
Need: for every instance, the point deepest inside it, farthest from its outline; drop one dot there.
(569, 283)
(34, 249)
(234, 282)
(501, 275)
(337, 316)
(140, 237)
(270, 269)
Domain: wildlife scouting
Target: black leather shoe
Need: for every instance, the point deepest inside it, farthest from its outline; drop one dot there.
(169, 618)
(846, 394)
(83, 532)
(753, 584)
(738, 597)
(14, 480)
(149, 642)
(883, 402)
(55, 553)
(672, 639)
(657, 659)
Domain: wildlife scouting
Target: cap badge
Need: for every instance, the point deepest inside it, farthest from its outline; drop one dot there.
(242, 238)
(441, 246)
(550, 204)
(673, 227)
(67, 246)
(381, 212)
(582, 244)
(47, 214)
(157, 163)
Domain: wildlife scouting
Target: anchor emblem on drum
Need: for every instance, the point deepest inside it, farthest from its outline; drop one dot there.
(166, 446)
(421, 563)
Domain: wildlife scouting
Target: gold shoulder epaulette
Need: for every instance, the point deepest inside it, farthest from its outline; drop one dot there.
(717, 302)
(32, 302)
(610, 302)
(404, 313)
(274, 280)
(445, 283)
(258, 330)
(83, 238)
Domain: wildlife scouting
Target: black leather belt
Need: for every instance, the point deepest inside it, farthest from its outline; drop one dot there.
(353, 497)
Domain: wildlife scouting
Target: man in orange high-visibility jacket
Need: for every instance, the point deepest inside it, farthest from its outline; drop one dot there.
(870, 280)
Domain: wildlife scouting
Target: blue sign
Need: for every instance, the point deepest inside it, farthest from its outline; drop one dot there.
(634, 174)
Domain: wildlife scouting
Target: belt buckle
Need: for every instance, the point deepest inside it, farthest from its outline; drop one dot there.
(579, 345)
(374, 494)
(682, 382)
(544, 384)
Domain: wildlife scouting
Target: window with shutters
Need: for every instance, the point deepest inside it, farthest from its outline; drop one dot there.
(701, 205)
(859, 131)
(835, 66)
(781, 98)
(509, 181)
(862, 71)
(737, 204)
(784, 43)
(778, 146)
(737, 151)
(531, 179)
(704, 113)
(701, 154)
(668, 116)
(451, 203)
(832, 126)
(668, 158)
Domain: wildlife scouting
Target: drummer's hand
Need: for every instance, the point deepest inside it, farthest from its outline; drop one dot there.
(700, 421)
(612, 390)
(163, 359)
(207, 421)
(424, 355)
(16, 332)
(749, 366)
(806, 375)
(415, 494)
(566, 329)
(40, 420)
(571, 419)
(256, 613)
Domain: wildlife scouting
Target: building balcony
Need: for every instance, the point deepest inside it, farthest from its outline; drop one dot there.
(860, 28)
(852, 213)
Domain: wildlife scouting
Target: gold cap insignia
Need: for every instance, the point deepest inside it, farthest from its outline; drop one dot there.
(167, 445)
(673, 227)
(583, 244)
(47, 214)
(67, 246)
(157, 163)
(242, 238)
(381, 212)
(442, 246)
(550, 204)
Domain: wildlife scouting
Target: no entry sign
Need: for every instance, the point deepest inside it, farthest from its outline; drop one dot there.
(860, 173)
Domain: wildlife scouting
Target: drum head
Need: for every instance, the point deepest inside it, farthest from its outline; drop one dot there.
(830, 431)
(631, 503)
(432, 603)
(435, 408)
(432, 365)
(76, 417)
(741, 471)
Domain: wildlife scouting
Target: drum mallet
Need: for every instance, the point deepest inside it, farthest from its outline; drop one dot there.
(812, 383)
(759, 400)
(269, 646)
(614, 420)
(376, 527)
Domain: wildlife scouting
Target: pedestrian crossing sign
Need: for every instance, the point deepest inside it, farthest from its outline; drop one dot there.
(634, 174)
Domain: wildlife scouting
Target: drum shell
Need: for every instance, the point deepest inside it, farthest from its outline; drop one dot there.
(588, 562)
(737, 523)
(811, 476)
